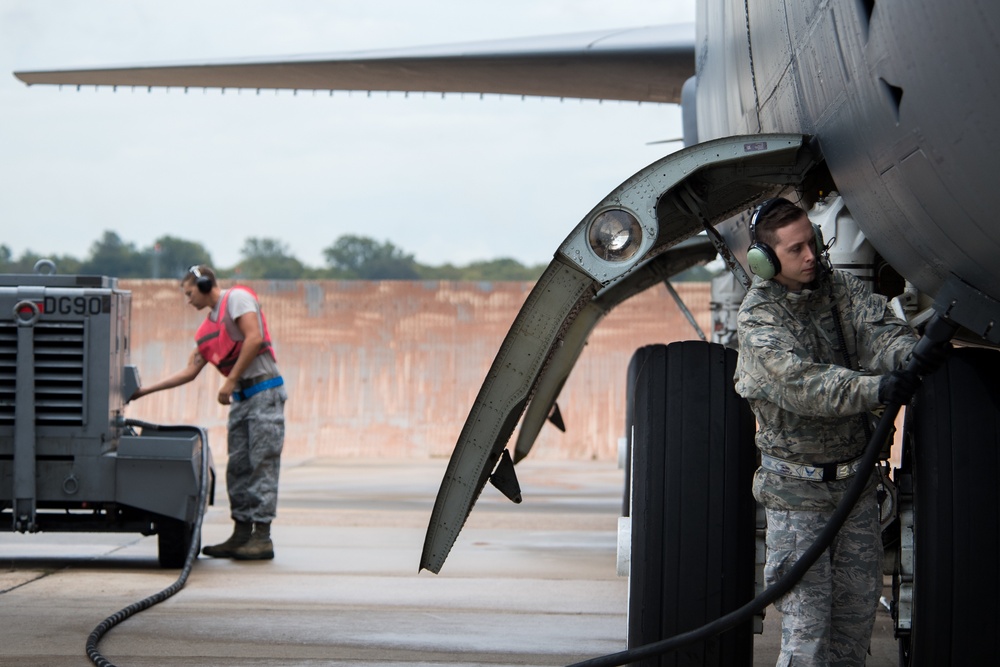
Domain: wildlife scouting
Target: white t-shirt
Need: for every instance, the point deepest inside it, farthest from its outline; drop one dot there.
(241, 302)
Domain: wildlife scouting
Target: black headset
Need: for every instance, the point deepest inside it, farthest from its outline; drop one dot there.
(203, 283)
(761, 258)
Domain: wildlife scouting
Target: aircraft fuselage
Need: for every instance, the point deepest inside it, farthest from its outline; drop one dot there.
(902, 98)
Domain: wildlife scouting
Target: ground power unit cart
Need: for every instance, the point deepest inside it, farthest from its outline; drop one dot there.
(69, 459)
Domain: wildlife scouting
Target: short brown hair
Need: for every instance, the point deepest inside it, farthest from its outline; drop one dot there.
(775, 214)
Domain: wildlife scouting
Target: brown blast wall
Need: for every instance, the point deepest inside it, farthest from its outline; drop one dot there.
(391, 369)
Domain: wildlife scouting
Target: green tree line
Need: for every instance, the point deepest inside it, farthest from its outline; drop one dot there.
(347, 258)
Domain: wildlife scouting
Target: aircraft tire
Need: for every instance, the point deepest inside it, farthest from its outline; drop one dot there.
(635, 364)
(173, 542)
(693, 513)
(954, 456)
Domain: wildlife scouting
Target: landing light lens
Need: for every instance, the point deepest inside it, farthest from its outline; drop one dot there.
(615, 236)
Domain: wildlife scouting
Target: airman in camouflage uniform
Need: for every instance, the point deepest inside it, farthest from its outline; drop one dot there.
(235, 339)
(812, 382)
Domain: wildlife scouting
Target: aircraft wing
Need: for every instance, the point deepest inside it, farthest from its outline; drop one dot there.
(641, 64)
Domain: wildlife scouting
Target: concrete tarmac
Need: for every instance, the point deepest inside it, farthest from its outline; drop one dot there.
(529, 584)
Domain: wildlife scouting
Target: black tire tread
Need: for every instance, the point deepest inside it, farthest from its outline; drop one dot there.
(953, 432)
(693, 514)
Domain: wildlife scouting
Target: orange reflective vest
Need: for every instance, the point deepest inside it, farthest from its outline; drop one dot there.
(216, 346)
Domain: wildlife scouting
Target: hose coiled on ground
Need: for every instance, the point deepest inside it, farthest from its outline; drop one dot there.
(111, 621)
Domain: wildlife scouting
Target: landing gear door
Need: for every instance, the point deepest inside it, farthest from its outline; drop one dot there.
(677, 197)
(622, 247)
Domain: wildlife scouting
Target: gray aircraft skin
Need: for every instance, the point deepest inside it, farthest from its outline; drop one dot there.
(903, 99)
(891, 104)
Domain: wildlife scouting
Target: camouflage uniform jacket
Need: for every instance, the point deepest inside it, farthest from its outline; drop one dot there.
(792, 371)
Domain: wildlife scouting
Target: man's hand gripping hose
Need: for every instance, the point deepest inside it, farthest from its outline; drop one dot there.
(928, 354)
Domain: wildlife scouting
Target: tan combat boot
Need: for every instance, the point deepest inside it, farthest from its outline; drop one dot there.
(258, 547)
(241, 533)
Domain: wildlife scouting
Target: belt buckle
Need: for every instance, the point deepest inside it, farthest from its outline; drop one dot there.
(838, 471)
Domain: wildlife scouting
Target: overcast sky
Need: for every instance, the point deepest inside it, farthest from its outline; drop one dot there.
(449, 180)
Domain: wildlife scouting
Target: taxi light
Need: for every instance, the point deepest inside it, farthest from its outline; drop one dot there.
(615, 235)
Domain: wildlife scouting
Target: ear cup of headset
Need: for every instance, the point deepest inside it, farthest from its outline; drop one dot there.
(762, 261)
(760, 257)
(203, 283)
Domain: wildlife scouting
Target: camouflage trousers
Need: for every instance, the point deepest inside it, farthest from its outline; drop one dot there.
(827, 618)
(256, 437)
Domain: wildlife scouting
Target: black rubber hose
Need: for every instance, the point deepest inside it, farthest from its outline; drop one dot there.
(142, 605)
(938, 332)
